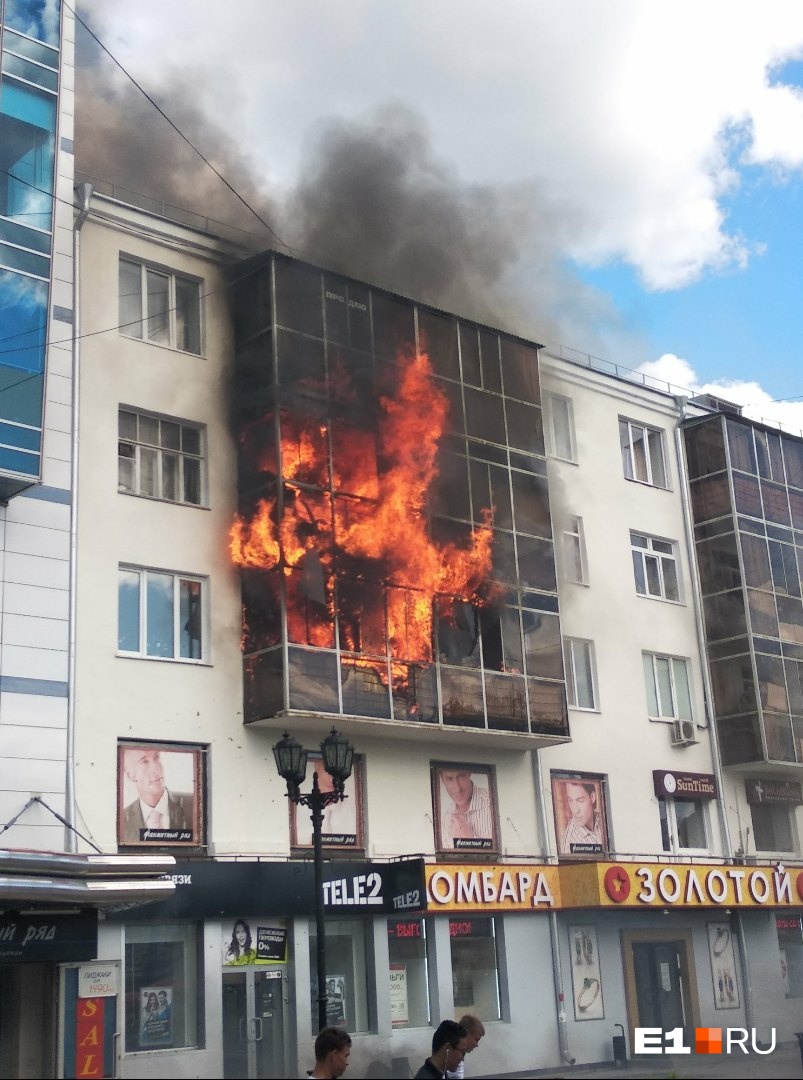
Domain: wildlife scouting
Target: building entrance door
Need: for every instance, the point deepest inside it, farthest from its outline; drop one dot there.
(253, 1024)
(660, 984)
(659, 968)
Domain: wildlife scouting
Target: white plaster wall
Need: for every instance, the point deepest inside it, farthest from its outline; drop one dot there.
(618, 739)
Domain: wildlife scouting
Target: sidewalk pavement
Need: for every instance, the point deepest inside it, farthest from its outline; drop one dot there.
(784, 1063)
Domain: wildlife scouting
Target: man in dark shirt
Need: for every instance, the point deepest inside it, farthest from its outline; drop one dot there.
(448, 1050)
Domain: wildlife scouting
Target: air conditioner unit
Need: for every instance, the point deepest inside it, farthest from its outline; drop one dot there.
(683, 733)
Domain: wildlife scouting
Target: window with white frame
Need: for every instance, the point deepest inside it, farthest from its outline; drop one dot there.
(666, 681)
(773, 829)
(574, 552)
(578, 659)
(684, 825)
(655, 567)
(642, 453)
(559, 427)
(160, 306)
(160, 457)
(161, 615)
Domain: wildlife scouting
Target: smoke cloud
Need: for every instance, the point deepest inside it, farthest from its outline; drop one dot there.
(374, 201)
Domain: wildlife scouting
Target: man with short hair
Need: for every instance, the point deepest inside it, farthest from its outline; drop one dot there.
(332, 1050)
(448, 1051)
(154, 807)
(585, 824)
(475, 1029)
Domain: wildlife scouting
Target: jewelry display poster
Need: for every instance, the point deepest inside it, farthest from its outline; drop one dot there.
(586, 977)
(723, 966)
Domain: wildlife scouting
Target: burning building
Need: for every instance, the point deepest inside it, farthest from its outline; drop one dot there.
(394, 532)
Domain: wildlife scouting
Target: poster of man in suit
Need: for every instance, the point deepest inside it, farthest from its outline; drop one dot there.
(160, 796)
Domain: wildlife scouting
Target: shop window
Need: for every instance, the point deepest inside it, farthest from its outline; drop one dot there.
(163, 987)
(349, 957)
(772, 827)
(683, 823)
(159, 306)
(408, 973)
(475, 967)
(790, 943)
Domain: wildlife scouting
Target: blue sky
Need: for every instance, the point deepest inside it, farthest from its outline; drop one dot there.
(658, 147)
(739, 323)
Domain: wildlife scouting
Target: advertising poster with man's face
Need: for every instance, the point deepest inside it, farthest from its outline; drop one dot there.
(578, 802)
(342, 821)
(160, 796)
(464, 808)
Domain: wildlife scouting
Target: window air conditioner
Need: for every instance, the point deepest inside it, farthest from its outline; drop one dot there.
(684, 733)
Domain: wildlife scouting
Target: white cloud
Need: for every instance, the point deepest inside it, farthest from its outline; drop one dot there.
(681, 378)
(634, 117)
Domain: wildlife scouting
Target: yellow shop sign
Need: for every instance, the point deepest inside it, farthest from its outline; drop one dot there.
(492, 888)
(644, 885)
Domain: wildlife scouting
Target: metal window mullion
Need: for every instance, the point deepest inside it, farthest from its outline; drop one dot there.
(172, 334)
(143, 612)
(645, 440)
(177, 580)
(672, 690)
(592, 674)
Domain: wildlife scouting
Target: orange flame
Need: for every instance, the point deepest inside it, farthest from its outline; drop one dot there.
(365, 551)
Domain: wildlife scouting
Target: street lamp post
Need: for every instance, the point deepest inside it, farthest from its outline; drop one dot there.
(291, 763)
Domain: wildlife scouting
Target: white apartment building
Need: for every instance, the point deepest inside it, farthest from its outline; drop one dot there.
(219, 389)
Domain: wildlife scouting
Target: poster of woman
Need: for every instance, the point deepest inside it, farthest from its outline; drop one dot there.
(240, 948)
(156, 1019)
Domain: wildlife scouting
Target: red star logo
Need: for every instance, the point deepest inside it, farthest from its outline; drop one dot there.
(617, 884)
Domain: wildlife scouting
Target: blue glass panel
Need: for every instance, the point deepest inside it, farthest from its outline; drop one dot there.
(27, 69)
(36, 18)
(23, 325)
(23, 437)
(17, 233)
(27, 123)
(128, 611)
(159, 615)
(18, 259)
(28, 104)
(32, 49)
(19, 462)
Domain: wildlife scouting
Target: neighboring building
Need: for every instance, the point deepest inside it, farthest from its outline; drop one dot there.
(50, 901)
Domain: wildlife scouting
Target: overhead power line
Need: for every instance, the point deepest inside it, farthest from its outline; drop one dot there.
(178, 130)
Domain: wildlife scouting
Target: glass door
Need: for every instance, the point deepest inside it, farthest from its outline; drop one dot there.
(659, 970)
(253, 1024)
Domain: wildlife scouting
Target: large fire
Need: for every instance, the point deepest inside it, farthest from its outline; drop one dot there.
(349, 529)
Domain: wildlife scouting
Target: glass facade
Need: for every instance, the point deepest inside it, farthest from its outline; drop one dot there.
(394, 530)
(747, 502)
(29, 79)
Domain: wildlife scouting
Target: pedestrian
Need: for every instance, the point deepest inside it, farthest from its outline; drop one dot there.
(475, 1030)
(448, 1050)
(332, 1050)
